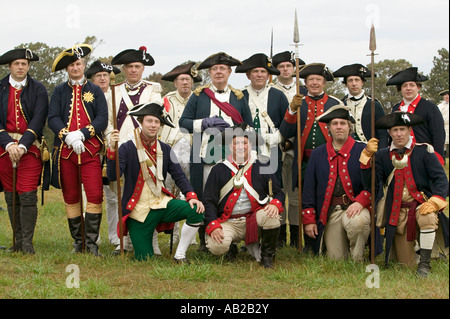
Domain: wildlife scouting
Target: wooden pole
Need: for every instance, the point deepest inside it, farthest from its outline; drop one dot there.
(372, 48)
(299, 137)
(116, 150)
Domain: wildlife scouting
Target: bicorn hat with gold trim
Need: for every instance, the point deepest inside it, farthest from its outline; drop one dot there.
(71, 55)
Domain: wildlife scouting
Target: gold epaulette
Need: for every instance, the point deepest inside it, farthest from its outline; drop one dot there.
(199, 89)
(237, 92)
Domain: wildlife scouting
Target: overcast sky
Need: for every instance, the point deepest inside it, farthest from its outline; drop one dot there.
(334, 32)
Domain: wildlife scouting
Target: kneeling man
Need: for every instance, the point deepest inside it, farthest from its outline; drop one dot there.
(335, 201)
(242, 200)
(144, 161)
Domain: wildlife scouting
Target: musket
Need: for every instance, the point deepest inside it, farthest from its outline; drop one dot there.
(372, 48)
(299, 135)
(14, 186)
(271, 55)
(116, 150)
(80, 190)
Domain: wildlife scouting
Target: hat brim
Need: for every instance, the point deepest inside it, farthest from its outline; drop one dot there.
(153, 109)
(71, 55)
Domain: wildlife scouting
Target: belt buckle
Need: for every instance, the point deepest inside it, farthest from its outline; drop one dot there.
(345, 199)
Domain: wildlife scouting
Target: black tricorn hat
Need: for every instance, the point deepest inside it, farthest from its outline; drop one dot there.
(398, 119)
(99, 66)
(70, 55)
(316, 68)
(219, 58)
(187, 68)
(258, 60)
(132, 55)
(286, 56)
(155, 109)
(352, 70)
(339, 111)
(17, 54)
(443, 92)
(407, 75)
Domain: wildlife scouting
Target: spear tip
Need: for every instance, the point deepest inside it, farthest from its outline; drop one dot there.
(373, 42)
(296, 35)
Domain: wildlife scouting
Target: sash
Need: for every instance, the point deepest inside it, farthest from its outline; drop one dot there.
(148, 165)
(229, 109)
(129, 104)
(239, 180)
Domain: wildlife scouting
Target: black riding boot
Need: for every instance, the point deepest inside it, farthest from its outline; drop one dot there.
(92, 230)
(28, 218)
(268, 246)
(14, 219)
(75, 231)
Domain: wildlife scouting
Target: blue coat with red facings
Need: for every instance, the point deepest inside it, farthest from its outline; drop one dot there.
(433, 131)
(424, 174)
(321, 174)
(131, 170)
(217, 212)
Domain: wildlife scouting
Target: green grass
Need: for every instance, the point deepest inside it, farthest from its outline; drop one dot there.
(296, 276)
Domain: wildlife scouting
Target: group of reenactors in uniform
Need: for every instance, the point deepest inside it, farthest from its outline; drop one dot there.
(223, 160)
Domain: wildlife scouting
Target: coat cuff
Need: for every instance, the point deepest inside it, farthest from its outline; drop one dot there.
(364, 198)
(212, 226)
(191, 195)
(289, 117)
(308, 216)
(277, 203)
(111, 154)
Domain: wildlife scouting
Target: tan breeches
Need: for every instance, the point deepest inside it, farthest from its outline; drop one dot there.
(345, 236)
(402, 249)
(234, 231)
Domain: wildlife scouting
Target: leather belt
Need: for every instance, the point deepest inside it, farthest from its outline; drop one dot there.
(340, 200)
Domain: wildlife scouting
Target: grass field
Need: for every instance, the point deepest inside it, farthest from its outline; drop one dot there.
(49, 274)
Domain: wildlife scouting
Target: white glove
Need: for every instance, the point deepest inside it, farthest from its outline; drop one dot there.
(273, 138)
(78, 146)
(73, 136)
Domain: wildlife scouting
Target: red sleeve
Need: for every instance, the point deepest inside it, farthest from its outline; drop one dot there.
(290, 118)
